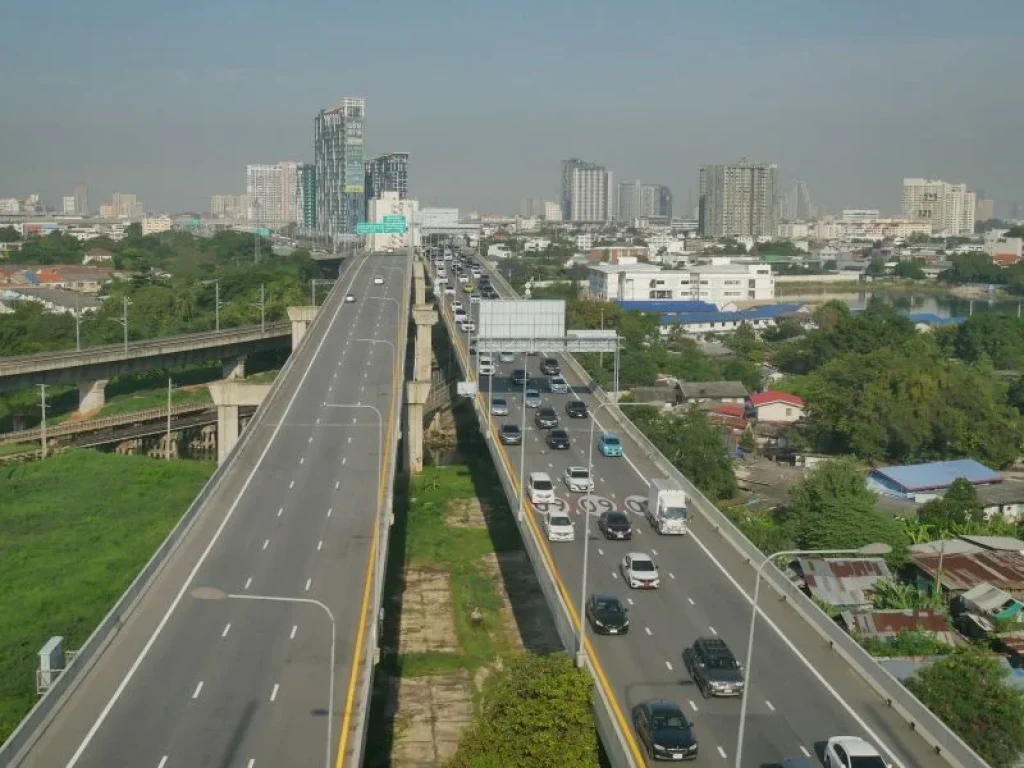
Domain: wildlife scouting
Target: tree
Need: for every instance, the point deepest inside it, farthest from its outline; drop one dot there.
(968, 690)
(747, 442)
(9, 234)
(538, 711)
(876, 267)
(832, 508)
(959, 505)
(746, 344)
(894, 595)
(910, 270)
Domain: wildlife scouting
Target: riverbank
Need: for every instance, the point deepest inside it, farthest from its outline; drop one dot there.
(895, 287)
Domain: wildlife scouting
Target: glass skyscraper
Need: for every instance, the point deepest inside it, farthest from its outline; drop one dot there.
(305, 205)
(339, 168)
(387, 173)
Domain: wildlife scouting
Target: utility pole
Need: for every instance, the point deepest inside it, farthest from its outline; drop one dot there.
(256, 251)
(216, 304)
(42, 424)
(124, 322)
(262, 304)
(78, 324)
(170, 384)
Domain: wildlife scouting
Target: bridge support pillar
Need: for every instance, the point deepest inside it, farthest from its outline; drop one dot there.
(228, 396)
(301, 317)
(233, 369)
(419, 285)
(92, 395)
(425, 317)
(416, 393)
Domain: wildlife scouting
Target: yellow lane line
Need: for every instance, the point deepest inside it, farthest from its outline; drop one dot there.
(574, 616)
(368, 581)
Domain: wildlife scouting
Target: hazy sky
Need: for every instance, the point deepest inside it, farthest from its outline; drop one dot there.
(172, 102)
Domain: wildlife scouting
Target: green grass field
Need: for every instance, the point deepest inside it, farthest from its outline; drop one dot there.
(74, 532)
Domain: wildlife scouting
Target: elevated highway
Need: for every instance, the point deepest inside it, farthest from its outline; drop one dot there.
(249, 640)
(803, 689)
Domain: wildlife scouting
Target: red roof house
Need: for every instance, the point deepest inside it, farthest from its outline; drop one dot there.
(778, 407)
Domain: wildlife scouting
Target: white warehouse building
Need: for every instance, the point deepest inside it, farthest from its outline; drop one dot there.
(719, 285)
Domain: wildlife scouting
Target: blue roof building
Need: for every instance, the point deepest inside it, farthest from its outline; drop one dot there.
(934, 321)
(920, 482)
(725, 322)
(667, 307)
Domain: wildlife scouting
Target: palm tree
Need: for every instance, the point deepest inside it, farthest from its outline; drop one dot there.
(918, 532)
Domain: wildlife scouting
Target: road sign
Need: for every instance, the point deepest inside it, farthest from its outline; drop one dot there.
(396, 226)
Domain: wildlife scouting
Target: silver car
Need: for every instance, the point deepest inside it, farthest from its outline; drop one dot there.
(499, 407)
(559, 386)
(506, 357)
(532, 398)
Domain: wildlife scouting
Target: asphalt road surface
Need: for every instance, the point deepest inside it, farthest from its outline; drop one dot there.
(209, 673)
(801, 694)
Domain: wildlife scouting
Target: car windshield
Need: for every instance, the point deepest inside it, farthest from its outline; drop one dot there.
(532, 393)
(579, 474)
(609, 606)
(560, 520)
(560, 434)
(617, 518)
(497, 402)
(611, 441)
(866, 762)
(675, 513)
(722, 662)
(510, 429)
(670, 723)
(542, 485)
(643, 565)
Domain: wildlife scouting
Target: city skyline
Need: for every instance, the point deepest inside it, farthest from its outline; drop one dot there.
(178, 132)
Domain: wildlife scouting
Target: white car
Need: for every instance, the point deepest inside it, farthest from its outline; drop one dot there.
(639, 571)
(449, 290)
(506, 357)
(578, 479)
(474, 299)
(350, 299)
(378, 280)
(852, 752)
(456, 306)
(559, 386)
(468, 327)
(558, 526)
(485, 369)
(540, 488)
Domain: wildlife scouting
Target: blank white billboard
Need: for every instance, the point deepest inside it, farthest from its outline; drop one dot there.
(522, 319)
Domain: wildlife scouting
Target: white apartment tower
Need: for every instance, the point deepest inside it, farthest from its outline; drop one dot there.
(950, 208)
(739, 200)
(272, 192)
(587, 192)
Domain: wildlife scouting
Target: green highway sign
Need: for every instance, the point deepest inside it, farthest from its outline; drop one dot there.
(391, 225)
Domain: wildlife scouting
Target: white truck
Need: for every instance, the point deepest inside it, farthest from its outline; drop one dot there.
(666, 507)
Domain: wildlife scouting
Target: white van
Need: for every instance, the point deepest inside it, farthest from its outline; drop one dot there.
(540, 487)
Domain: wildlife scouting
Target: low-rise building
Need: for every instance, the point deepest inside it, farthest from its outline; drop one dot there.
(152, 225)
(618, 254)
(890, 624)
(923, 482)
(843, 582)
(777, 407)
(716, 284)
(959, 572)
(702, 322)
(717, 392)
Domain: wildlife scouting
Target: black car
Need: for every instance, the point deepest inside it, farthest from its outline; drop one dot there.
(519, 377)
(713, 667)
(511, 434)
(576, 409)
(558, 440)
(546, 417)
(664, 730)
(549, 367)
(615, 525)
(607, 615)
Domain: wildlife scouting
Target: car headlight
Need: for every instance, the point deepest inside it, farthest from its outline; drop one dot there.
(660, 748)
(598, 622)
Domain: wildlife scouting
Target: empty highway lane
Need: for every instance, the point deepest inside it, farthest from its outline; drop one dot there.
(243, 652)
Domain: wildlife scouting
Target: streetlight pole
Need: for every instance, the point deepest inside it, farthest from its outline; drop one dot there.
(42, 424)
(124, 321)
(522, 439)
(216, 304)
(868, 549)
(170, 385)
(78, 325)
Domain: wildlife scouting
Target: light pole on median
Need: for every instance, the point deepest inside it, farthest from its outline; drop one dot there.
(380, 440)
(868, 550)
(208, 593)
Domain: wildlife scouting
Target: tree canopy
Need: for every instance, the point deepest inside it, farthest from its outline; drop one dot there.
(968, 690)
(832, 508)
(536, 712)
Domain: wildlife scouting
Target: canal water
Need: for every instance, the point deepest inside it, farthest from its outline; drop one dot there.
(943, 305)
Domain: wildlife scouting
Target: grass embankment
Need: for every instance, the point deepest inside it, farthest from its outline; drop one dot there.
(432, 540)
(74, 532)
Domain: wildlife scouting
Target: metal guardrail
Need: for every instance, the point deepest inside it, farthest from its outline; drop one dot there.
(35, 722)
(947, 744)
(91, 425)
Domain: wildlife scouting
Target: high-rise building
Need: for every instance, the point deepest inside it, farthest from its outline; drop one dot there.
(122, 206)
(985, 209)
(229, 206)
(305, 205)
(664, 202)
(81, 200)
(588, 193)
(263, 190)
(1016, 211)
(530, 207)
(68, 205)
(289, 191)
(340, 171)
(738, 200)
(387, 173)
(636, 200)
(948, 207)
(552, 211)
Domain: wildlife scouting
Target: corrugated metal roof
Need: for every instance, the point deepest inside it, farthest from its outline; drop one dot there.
(714, 390)
(890, 623)
(996, 543)
(768, 312)
(937, 475)
(843, 581)
(962, 571)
